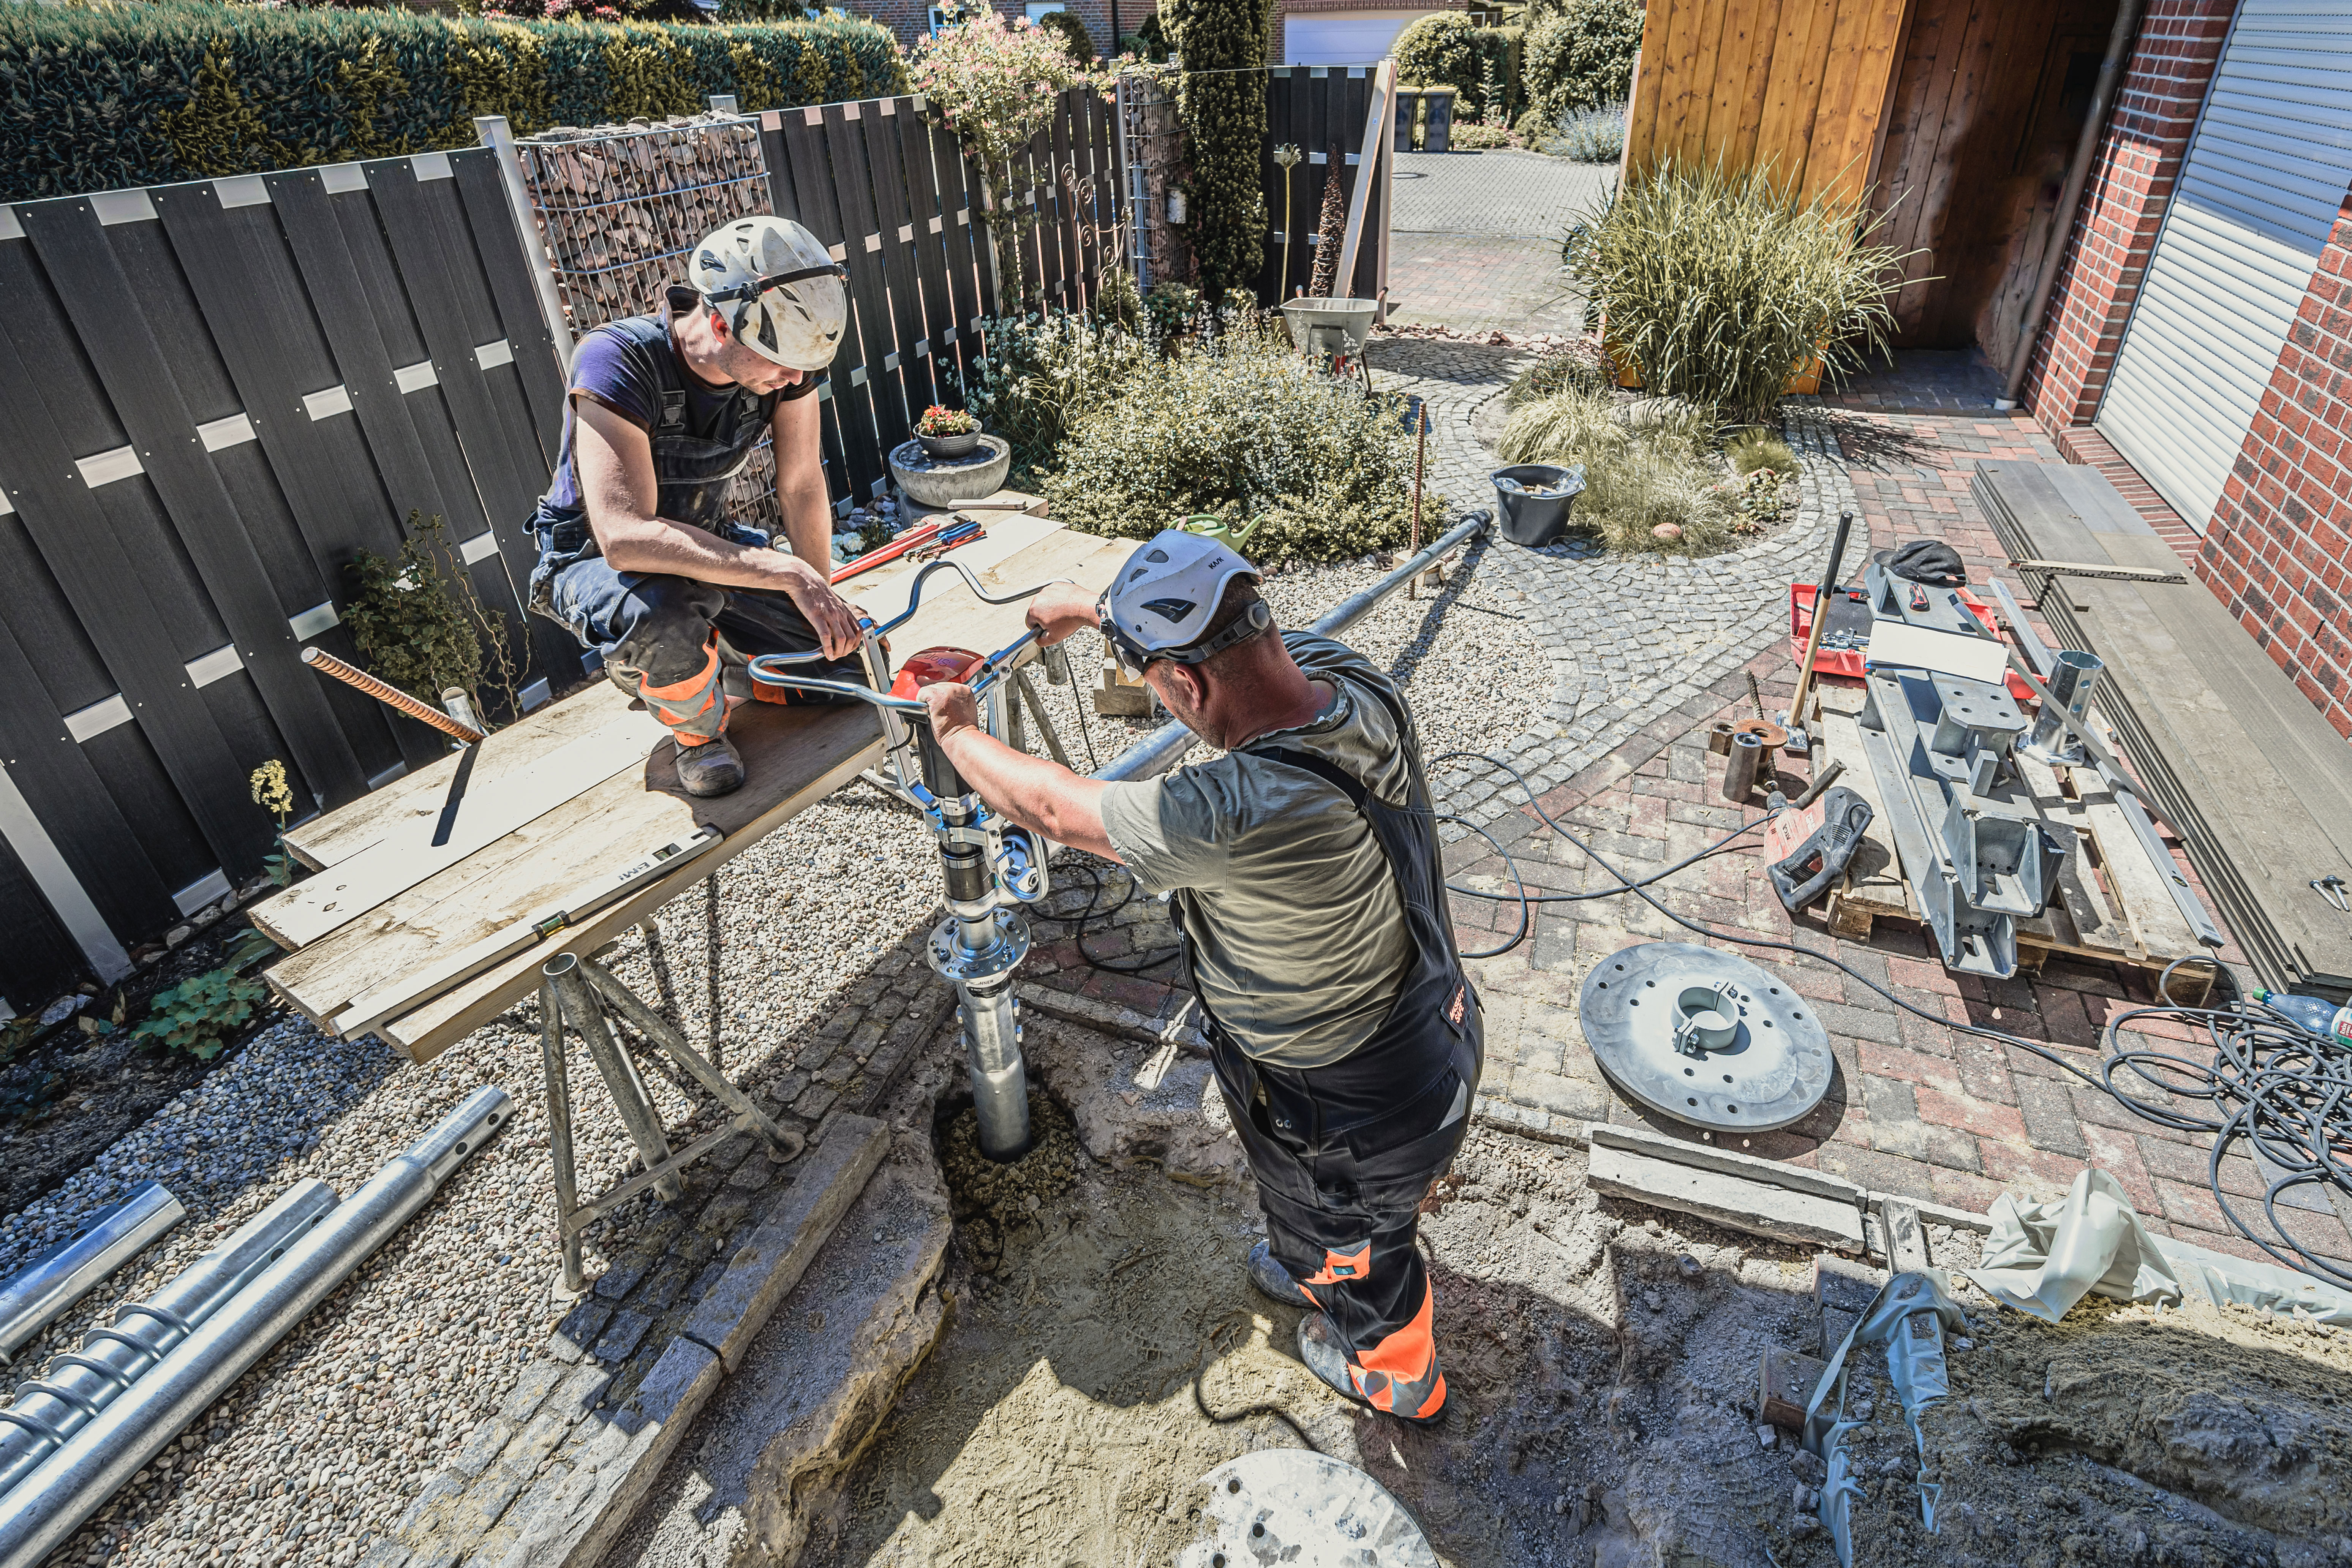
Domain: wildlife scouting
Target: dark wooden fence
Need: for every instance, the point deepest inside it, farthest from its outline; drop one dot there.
(1310, 108)
(214, 395)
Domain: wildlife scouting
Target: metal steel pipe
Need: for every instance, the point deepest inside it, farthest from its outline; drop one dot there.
(63, 1274)
(1740, 768)
(78, 1386)
(1158, 753)
(73, 1482)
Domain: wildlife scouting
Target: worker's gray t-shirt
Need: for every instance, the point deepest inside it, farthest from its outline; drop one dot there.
(1299, 942)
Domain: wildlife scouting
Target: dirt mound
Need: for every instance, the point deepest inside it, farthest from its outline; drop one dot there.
(2121, 1437)
(991, 1200)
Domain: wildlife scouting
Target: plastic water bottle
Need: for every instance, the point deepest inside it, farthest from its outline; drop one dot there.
(2316, 1013)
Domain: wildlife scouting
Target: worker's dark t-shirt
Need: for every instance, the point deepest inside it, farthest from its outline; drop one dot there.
(606, 368)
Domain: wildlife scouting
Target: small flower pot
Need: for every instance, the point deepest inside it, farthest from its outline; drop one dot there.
(946, 446)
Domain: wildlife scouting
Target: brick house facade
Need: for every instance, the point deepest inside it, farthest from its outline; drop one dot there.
(2278, 549)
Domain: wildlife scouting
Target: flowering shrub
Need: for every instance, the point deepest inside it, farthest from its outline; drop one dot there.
(1041, 373)
(1242, 426)
(993, 84)
(940, 420)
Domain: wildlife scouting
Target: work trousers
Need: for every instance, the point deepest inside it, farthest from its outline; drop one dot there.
(681, 644)
(1342, 1207)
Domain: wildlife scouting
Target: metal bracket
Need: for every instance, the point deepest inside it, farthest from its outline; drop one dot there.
(2110, 574)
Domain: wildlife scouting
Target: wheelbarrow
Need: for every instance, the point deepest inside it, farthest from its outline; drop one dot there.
(1329, 329)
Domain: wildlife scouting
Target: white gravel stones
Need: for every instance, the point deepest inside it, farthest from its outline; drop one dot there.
(321, 1448)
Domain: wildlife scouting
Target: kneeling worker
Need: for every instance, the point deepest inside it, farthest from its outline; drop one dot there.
(1304, 870)
(665, 410)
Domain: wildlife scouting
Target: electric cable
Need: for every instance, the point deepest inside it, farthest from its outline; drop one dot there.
(2285, 1090)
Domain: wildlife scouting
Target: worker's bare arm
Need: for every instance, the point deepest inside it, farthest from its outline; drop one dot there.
(616, 467)
(1042, 796)
(1061, 608)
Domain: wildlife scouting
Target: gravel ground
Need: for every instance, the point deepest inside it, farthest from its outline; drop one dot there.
(323, 1444)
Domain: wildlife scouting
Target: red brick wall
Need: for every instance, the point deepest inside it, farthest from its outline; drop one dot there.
(2179, 40)
(2279, 551)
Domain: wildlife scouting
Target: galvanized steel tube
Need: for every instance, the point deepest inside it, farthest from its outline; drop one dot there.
(73, 1482)
(75, 1387)
(59, 1278)
(1158, 753)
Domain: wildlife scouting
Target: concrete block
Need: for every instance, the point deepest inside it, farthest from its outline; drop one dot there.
(537, 1382)
(1907, 1239)
(1785, 1385)
(1738, 1201)
(1844, 1286)
(487, 1442)
(1707, 1157)
(796, 1224)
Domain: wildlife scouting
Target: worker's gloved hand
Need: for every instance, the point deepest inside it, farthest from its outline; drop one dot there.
(1059, 609)
(953, 707)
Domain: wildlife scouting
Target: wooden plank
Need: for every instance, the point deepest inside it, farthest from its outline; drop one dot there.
(1873, 885)
(1707, 81)
(335, 836)
(108, 592)
(62, 787)
(437, 833)
(818, 186)
(1650, 89)
(2079, 919)
(1061, 183)
(538, 364)
(1735, 49)
(1862, 56)
(793, 755)
(109, 316)
(956, 204)
(935, 345)
(895, 220)
(1787, 106)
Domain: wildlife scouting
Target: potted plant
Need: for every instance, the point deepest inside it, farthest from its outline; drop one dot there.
(947, 432)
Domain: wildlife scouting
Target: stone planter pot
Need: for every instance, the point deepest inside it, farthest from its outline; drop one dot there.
(933, 484)
(944, 449)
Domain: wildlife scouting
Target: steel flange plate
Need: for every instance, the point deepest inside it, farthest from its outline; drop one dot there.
(1704, 1037)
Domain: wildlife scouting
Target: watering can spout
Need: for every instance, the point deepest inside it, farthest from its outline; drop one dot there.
(1209, 525)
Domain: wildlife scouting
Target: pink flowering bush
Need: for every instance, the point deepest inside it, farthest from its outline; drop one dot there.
(992, 83)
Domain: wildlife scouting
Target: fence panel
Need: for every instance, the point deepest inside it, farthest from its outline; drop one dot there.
(1313, 108)
(242, 385)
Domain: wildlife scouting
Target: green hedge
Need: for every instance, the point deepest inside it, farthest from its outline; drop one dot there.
(1446, 49)
(1580, 55)
(109, 94)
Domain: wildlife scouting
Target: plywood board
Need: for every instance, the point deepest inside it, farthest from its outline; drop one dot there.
(439, 831)
(795, 757)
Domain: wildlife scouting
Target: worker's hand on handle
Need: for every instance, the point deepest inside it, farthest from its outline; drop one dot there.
(953, 707)
(1059, 609)
(834, 617)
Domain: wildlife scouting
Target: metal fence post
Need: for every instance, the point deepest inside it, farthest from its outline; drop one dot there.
(499, 139)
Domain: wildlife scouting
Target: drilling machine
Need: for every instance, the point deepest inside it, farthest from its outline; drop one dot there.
(992, 867)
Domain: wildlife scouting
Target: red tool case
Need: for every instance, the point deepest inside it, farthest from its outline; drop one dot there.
(1847, 661)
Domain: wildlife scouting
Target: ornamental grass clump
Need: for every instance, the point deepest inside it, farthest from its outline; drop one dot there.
(1242, 426)
(1636, 481)
(1718, 285)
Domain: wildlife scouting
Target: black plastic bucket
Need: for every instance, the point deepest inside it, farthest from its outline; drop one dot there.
(1532, 519)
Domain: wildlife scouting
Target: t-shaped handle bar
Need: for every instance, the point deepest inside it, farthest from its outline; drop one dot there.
(775, 669)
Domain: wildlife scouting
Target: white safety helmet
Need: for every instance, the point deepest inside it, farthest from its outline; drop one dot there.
(779, 290)
(1163, 600)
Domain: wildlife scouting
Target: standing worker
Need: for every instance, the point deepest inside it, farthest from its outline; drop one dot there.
(1304, 874)
(664, 410)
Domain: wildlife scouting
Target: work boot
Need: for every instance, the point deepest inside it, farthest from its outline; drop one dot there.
(711, 768)
(1273, 1280)
(1319, 1347)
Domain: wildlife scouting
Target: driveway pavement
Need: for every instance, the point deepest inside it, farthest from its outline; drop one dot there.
(1474, 241)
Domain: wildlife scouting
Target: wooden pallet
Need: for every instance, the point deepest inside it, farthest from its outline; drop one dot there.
(2113, 903)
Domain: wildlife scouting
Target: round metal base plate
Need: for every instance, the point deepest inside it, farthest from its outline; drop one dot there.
(1304, 1509)
(1775, 1068)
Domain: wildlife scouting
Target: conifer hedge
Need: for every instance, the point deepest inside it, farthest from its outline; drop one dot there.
(112, 93)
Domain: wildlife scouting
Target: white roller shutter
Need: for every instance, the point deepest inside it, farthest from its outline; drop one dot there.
(1340, 40)
(2257, 198)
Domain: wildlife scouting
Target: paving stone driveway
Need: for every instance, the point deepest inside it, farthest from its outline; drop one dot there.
(1475, 240)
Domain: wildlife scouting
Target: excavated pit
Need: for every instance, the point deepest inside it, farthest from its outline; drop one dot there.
(996, 1365)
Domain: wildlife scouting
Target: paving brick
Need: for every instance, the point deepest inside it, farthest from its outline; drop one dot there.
(2048, 1110)
(1983, 1117)
(1911, 1067)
